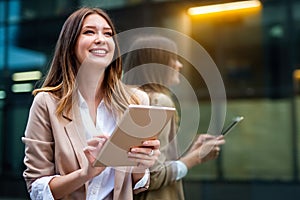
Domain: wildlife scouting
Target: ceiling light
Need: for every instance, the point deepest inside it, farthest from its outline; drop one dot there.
(217, 8)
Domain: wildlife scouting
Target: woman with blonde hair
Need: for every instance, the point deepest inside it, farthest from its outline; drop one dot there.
(83, 85)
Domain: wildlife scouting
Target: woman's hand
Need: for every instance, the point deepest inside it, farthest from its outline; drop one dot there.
(91, 151)
(202, 138)
(210, 148)
(205, 148)
(145, 155)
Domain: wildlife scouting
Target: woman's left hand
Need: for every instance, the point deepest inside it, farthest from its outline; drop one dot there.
(145, 155)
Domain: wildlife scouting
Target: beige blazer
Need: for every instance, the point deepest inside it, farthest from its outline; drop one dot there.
(163, 184)
(54, 146)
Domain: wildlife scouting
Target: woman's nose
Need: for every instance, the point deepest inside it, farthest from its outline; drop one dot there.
(99, 39)
(179, 64)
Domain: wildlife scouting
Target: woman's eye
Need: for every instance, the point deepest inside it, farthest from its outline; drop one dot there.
(88, 32)
(108, 34)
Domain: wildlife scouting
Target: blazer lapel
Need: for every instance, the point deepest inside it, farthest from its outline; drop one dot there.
(78, 142)
(75, 133)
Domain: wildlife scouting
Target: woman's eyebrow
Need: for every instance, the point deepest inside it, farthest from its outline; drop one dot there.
(89, 26)
(95, 27)
(107, 28)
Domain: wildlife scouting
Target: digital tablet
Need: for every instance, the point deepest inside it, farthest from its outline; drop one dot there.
(139, 123)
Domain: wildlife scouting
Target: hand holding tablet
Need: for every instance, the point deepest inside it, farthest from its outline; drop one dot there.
(138, 124)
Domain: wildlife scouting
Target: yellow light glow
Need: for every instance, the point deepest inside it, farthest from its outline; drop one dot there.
(27, 76)
(217, 8)
(297, 74)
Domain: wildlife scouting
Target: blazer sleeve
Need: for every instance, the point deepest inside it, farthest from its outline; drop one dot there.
(165, 171)
(38, 140)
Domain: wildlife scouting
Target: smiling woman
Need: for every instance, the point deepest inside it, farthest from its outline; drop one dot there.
(83, 85)
(95, 41)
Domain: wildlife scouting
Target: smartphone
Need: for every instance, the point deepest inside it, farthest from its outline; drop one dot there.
(234, 122)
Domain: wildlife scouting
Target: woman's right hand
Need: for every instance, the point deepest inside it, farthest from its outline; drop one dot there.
(63, 185)
(205, 148)
(210, 148)
(91, 151)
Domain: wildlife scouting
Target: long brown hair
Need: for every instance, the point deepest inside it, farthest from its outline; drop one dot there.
(155, 51)
(61, 77)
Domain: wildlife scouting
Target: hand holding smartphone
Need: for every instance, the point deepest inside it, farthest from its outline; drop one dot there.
(234, 122)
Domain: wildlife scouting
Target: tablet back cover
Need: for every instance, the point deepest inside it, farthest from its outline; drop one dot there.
(139, 123)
